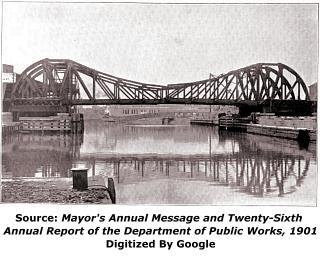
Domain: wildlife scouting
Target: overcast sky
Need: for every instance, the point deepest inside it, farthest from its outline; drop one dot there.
(162, 43)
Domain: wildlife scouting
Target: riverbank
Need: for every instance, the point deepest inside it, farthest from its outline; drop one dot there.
(50, 191)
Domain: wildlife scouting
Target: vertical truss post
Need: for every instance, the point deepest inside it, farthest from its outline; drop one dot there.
(281, 83)
(70, 74)
(217, 90)
(94, 86)
(45, 80)
(258, 85)
(227, 87)
(116, 90)
(237, 87)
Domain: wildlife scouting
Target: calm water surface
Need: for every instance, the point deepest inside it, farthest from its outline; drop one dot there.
(173, 164)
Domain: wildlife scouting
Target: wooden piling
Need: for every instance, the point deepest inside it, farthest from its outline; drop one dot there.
(80, 178)
(111, 190)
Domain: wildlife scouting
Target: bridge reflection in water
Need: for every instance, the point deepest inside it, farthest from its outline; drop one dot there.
(173, 164)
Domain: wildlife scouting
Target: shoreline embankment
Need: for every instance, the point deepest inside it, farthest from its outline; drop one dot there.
(267, 124)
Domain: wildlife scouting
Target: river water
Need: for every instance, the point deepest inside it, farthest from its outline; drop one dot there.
(173, 164)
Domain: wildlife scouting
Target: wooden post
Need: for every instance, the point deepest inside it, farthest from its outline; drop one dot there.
(111, 190)
(80, 178)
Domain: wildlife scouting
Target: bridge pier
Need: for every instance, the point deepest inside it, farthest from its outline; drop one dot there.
(77, 123)
(279, 107)
(246, 110)
(288, 107)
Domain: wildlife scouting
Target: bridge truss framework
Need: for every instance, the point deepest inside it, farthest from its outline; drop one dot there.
(55, 85)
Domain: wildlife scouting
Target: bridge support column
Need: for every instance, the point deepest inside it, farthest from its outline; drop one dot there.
(77, 123)
(246, 110)
(288, 107)
(15, 116)
(279, 107)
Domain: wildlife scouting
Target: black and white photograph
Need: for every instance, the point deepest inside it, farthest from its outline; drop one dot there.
(159, 104)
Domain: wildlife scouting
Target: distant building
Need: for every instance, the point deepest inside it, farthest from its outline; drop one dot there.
(129, 110)
(8, 79)
(8, 75)
(125, 110)
(313, 91)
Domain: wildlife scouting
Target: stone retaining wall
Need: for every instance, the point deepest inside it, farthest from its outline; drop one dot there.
(293, 122)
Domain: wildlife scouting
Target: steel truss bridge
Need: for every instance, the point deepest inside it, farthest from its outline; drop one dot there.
(55, 85)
